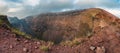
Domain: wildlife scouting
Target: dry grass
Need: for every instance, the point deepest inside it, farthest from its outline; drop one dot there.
(46, 47)
(21, 33)
(74, 42)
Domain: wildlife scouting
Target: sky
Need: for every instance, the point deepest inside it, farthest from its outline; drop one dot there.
(24, 8)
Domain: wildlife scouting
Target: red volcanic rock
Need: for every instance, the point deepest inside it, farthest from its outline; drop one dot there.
(103, 28)
(63, 26)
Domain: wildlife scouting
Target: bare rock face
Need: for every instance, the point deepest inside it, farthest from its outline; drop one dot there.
(25, 49)
(58, 27)
(92, 48)
(100, 50)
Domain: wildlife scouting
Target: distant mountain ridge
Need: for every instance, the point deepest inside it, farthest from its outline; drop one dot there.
(20, 24)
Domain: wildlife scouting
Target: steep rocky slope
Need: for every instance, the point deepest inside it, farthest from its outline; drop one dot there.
(103, 37)
(62, 26)
(14, 41)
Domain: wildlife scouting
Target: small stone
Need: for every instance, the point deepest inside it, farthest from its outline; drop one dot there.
(72, 47)
(11, 46)
(38, 43)
(102, 24)
(25, 49)
(36, 47)
(100, 50)
(92, 47)
(26, 41)
(17, 39)
(30, 43)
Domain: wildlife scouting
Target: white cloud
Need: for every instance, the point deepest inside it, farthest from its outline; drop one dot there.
(15, 9)
(31, 2)
(66, 10)
(2, 3)
(33, 7)
(3, 7)
(115, 12)
(98, 3)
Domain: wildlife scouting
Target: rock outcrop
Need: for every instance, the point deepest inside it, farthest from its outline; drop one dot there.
(62, 26)
(100, 33)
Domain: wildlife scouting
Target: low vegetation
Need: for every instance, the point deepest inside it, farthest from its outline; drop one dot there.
(74, 42)
(18, 32)
(47, 47)
(44, 48)
(1, 21)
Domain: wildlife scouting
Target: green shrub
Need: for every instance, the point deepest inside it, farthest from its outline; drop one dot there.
(1, 21)
(44, 48)
(47, 47)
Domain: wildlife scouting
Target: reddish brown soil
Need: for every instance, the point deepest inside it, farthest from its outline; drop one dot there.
(11, 43)
(107, 37)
